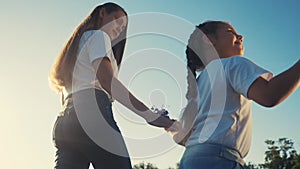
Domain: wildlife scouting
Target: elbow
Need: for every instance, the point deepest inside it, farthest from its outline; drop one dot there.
(105, 84)
(269, 105)
(106, 87)
(271, 102)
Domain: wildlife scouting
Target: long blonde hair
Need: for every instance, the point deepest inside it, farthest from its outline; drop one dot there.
(61, 74)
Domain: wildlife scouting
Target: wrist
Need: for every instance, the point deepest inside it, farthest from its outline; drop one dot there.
(149, 116)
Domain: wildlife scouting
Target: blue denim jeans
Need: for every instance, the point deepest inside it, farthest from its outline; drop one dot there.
(207, 157)
(75, 149)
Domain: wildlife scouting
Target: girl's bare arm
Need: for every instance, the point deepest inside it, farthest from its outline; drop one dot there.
(271, 93)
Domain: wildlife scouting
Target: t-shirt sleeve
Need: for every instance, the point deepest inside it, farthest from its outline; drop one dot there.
(99, 46)
(243, 72)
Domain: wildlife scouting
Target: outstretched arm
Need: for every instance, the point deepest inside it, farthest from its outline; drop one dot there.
(271, 93)
(119, 92)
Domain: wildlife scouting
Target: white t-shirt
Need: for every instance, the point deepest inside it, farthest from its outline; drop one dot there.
(94, 44)
(224, 115)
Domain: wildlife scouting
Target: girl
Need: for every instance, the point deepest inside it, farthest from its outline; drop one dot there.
(86, 73)
(217, 120)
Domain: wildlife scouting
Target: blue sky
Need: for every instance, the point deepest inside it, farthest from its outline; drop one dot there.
(33, 33)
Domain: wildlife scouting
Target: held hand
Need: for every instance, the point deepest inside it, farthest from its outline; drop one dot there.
(174, 128)
(160, 121)
(179, 134)
(181, 137)
(159, 118)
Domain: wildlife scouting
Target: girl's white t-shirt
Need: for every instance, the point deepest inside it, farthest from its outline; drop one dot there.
(94, 44)
(224, 115)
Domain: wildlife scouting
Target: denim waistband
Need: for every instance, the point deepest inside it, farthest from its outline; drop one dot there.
(209, 149)
(82, 96)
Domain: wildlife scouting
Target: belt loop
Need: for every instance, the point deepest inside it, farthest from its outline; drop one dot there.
(230, 154)
(222, 152)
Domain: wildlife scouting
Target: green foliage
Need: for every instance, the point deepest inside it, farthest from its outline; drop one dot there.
(280, 154)
(144, 166)
(177, 166)
(296, 162)
(249, 165)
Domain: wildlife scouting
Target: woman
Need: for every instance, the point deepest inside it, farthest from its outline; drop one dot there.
(86, 73)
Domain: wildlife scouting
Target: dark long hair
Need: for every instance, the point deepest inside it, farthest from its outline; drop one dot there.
(207, 28)
(194, 63)
(61, 75)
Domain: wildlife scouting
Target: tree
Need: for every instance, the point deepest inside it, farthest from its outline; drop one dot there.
(249, 165)
(177, 166)
(296, 162)
(144, 166)
(281, 155)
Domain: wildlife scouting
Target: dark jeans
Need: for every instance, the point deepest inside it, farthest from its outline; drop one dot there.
(74, 135)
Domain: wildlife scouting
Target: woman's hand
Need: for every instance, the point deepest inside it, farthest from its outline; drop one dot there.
(158, 120)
